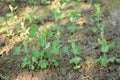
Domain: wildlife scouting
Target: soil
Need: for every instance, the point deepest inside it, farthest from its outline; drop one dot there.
(10, 64)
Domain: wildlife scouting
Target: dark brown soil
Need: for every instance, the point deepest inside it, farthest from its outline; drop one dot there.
(9, 63)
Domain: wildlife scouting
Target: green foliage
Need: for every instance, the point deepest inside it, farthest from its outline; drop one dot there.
(44, 50)
(2, 29)
(75, 51)
(98, 9)
(74, 16)
(34, 3)
(34, 30)
(2, 19)
(17, 50)
(65, 49)
(46, 44)
(104, 60)
(28, 17)
(72, 28)
(75, 61)
(12, 9)
(11, 15)
(104, 46)
(89, 1)
(33, 17)
(57, 14)
(94, 30)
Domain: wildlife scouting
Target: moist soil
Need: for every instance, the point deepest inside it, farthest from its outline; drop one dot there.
(90, 70)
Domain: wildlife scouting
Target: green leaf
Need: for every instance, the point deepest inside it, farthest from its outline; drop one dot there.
(65, 49)
(50, 34)
(25, 49)
(63, 6)
(75, 60)
(32, 34)
(56, 64)
(38, 16)
(112, 59)
(104, 61)
(72, 28)
(76, 67)
(94, 30)
(32, 67)
(55, 43)
(17, 50)
(102, 42)
(75, 51)
(44, 64)
(48, 54)
(28, 17)
(2, 19)
(63, 15)
(47, 45)
(73, 19)
(57, 35)
(34, 59)
(77, 5)
(24, 62)
(2, 29)
(79, 47)
(98, 60)
(91, 20)
(105, 48)
(36, 53)
(71, 41)
(118, 60)
(55, 50)
(53, 28)
(112, 44)
(35, 28)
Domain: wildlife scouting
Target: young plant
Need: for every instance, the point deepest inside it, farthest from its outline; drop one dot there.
(94, 30)
(72, 28)
(97, 18)
(105, 46)
(58, 15)
(43, 52)
(98, 9)
(76, 52)
(74, 16)
(104, 61)
(11, 15)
